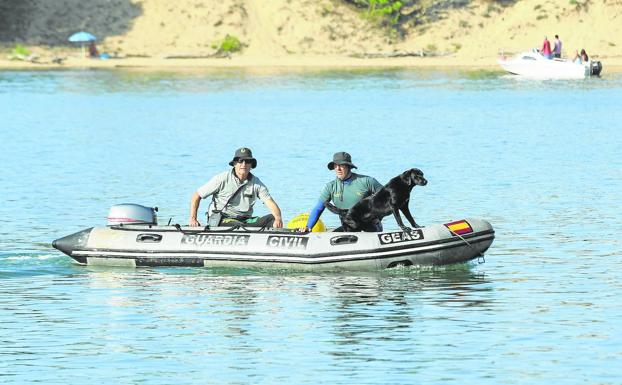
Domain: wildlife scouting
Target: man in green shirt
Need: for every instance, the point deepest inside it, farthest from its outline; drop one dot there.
(345, 190)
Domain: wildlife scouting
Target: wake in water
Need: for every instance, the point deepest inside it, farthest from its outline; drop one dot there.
(19, 264)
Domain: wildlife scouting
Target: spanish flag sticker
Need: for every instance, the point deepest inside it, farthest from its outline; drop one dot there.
(459, 227)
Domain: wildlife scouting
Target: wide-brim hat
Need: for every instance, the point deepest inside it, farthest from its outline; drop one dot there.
(243, 153)
(341, 158)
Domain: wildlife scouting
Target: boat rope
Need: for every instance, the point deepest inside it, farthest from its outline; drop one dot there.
(237, 226)
(207, 229)
(480, 255)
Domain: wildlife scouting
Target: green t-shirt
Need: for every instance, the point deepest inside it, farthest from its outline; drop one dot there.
(345, 194)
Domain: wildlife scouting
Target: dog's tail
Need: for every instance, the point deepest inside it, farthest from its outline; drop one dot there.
(334, 209)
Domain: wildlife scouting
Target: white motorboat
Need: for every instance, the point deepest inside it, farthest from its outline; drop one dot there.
(136, 240)
(532, 64)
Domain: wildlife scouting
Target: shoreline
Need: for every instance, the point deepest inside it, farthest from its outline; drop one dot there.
(610, 64)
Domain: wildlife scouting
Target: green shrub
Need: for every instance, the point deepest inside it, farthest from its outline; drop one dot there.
(230, 44)
(384, 9)
(20, 50)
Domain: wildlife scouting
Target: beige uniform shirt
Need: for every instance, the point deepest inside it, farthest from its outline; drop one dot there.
(223, 185)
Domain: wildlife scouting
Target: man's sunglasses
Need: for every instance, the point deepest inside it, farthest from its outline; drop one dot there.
(247, 161)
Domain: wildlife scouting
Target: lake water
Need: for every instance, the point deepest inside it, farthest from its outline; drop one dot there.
(540, 160)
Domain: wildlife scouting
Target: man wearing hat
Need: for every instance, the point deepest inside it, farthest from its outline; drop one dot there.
(346, 189)
(234, 193)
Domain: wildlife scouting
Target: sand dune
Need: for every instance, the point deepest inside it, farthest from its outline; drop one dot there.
(482, 31)
(278, 30)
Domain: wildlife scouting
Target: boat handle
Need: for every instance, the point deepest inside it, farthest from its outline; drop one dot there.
(343, 240)
(149, 238)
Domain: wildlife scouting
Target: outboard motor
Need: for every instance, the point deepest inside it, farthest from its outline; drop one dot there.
(595, 68)
(130, 213)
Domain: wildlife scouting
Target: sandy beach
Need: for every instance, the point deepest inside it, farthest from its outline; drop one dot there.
(612, 65)
(301, 33)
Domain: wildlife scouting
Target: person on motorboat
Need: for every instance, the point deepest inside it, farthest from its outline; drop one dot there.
(234, 193)
(557, 48)
(576, 58)
(546, 48)
(345, 190)
(580, 58)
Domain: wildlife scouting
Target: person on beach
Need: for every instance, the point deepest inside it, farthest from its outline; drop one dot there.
(546, 48)
(345, 190)
(93, 53)
(234, 193)
(557, 47)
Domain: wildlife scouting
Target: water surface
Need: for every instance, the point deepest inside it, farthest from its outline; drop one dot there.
(539, 160)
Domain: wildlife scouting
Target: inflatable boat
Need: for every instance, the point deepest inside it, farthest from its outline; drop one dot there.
(128, 241)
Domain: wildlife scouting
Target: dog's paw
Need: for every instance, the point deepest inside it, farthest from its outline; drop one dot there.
(406, 229)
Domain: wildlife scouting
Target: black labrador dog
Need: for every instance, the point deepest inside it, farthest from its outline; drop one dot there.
(391, 198)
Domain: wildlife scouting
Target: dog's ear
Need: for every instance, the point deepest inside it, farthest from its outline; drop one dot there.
(412, 175)
(406, 177)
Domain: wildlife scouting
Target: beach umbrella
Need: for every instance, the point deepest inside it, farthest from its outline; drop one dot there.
(82, 37)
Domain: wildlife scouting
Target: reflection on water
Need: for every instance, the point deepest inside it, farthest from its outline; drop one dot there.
(109, 315)
(217, 80)
(251, 310)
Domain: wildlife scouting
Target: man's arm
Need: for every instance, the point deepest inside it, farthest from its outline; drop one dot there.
(325, 196)
(210, 188)
(194, 207)
(264, 195)
(276, 212)
(314, 216)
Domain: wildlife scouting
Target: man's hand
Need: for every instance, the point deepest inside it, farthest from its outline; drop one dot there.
(193, 222)
(278, 222)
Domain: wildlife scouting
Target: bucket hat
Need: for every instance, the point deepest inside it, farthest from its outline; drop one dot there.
(341, 158)
(243, 153)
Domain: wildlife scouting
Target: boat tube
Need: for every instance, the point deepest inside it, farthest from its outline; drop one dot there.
(147, 244)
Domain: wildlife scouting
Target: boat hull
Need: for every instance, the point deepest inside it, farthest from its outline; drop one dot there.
(535, 66)
(142, 245)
